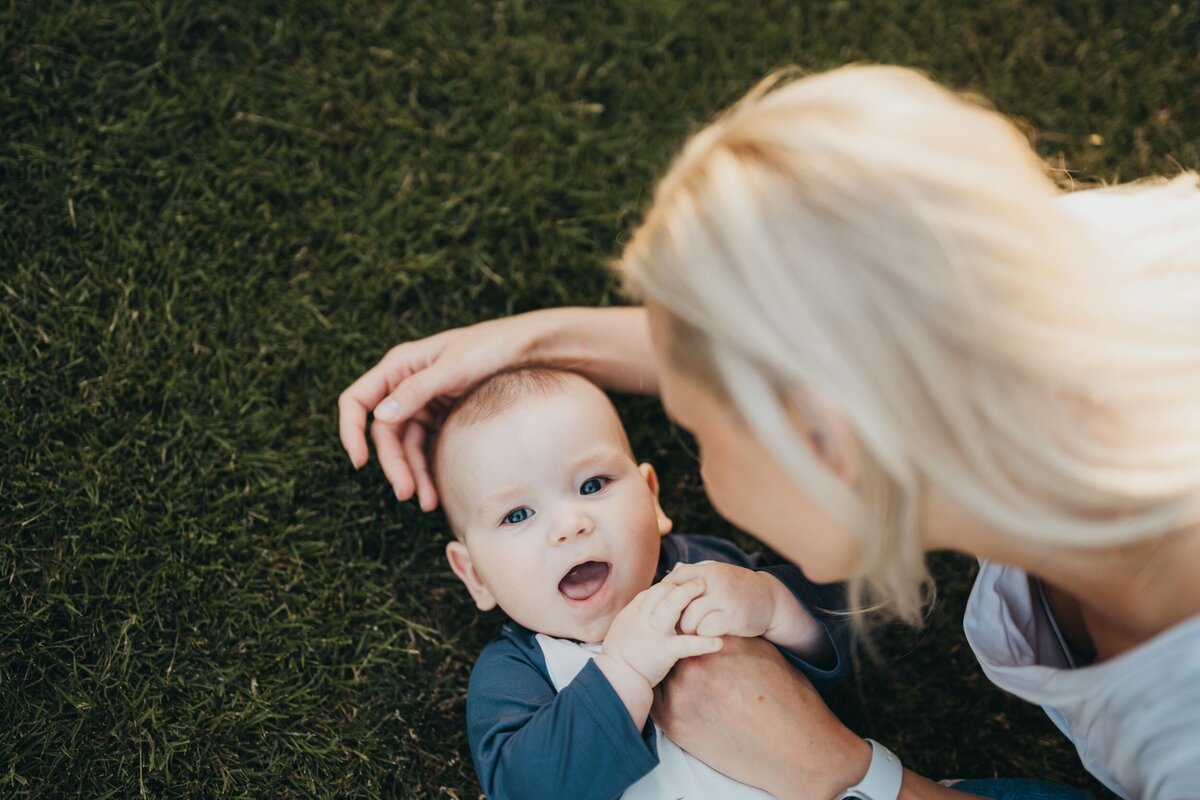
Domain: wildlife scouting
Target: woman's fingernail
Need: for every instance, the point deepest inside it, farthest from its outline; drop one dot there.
(388, 410)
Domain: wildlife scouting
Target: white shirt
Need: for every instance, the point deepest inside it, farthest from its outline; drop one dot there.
(1135, 719)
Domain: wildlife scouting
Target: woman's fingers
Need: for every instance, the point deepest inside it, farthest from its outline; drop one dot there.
(391, 458)
(361, 397)
(352, 427)
(373, 386)
(414, 449)
(665, 613)
(415, 401)
(416, 391)
(401, 391)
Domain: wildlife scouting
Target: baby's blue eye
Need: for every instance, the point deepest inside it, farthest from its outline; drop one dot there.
(592, 485)
(518, 515)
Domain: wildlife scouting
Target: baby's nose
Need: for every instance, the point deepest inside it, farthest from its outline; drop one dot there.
(580, 525)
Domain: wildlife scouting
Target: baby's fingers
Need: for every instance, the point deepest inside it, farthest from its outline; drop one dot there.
(664, 616)
(692, 616)
(716, 623)
(682, 573)
(687, 646)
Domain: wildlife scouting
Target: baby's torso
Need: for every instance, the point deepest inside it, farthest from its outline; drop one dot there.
(678, 776)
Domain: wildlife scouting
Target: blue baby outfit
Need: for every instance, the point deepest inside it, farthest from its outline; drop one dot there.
(532, 742)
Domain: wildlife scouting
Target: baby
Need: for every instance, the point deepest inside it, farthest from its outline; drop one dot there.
(558, 525)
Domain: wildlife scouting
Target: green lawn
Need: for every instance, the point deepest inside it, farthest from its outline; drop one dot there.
(214, 216)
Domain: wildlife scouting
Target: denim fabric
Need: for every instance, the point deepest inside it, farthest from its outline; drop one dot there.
(1019, 789)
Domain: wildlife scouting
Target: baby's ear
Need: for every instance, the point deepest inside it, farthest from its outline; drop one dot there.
(651, 477)
(464, 567)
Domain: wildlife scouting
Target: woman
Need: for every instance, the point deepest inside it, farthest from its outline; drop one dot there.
(890, 334)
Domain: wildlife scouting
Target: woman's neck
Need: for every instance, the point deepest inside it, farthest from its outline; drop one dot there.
(1111, 598)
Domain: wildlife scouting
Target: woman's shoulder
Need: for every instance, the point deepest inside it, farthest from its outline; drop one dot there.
(1134, 718)
(1009, 624)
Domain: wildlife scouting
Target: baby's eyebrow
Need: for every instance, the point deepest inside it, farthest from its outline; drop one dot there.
(501, 501)
(599, 457)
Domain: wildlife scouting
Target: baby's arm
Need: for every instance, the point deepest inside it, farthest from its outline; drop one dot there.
(743, 602)
(529, 742)
(792, 627)
(643, 644)
(585, 741)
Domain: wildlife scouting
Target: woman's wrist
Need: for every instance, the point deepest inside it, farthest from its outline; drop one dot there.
(850, 769)
(609, 346)
(553, 337)
(846, 759)
(912, 786)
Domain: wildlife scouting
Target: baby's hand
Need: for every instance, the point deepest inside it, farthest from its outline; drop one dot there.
(736, 601)
(643, 635)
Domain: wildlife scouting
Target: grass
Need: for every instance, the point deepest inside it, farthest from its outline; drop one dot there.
(216, 215)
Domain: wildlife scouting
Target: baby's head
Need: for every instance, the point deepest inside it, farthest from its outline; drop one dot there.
(553, 519)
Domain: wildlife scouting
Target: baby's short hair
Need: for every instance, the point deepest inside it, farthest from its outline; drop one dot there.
(502, 390)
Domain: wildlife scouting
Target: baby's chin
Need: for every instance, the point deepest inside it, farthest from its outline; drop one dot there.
(591, 632)
(587, 625)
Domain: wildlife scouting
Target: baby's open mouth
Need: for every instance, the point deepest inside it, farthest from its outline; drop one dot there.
(584, 580)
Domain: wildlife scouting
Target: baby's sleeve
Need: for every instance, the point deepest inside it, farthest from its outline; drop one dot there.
(528, 741)
(823, 602)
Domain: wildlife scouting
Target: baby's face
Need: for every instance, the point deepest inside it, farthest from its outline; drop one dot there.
(560, 526)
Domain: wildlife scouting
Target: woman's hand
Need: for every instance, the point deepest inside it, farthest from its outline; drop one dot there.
(410, 390)
(746, 712)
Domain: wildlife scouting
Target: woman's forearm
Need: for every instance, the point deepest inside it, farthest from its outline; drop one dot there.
(609, 346)
(746, 712)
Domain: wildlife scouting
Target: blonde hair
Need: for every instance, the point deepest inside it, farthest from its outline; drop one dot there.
(868, 241)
